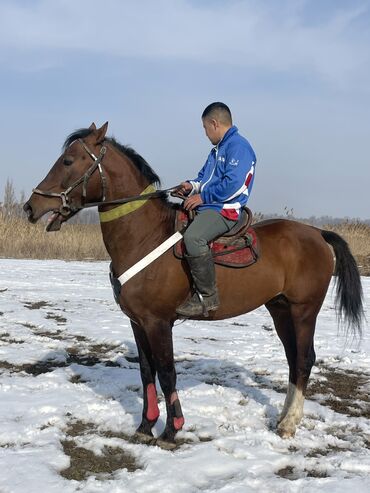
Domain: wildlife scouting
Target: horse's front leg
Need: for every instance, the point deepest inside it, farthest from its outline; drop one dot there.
(148, 372)
(160, 338)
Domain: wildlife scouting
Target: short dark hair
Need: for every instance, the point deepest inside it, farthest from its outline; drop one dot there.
(220, 111)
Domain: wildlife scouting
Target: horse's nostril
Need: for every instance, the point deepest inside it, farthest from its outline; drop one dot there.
(28, 210)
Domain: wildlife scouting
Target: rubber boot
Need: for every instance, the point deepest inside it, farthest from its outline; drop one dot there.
(205, 298)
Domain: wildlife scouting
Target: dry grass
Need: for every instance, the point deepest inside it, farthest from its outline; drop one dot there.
(20, 239)
(357, 236)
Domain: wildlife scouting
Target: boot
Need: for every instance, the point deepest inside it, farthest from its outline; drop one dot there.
(205, 298)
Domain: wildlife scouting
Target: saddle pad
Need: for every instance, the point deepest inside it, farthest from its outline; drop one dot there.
(240, 250)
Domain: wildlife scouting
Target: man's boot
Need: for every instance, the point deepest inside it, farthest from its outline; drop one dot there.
(205, 298)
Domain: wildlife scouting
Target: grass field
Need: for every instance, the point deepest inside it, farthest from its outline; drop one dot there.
(20, 239)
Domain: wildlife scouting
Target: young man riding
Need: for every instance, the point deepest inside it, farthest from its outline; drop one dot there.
(218, 194)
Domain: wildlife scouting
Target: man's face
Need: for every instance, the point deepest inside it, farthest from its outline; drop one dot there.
(212, 129)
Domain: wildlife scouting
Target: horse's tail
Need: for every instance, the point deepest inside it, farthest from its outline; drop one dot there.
(349, 295)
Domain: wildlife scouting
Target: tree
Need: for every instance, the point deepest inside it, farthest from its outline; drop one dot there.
(10, 201)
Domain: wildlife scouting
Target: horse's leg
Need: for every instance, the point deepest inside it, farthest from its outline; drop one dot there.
(147, 371)
(304, 320)
(280, 312)
(160, 338)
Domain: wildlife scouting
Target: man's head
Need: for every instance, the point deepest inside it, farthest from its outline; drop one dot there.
(217, 120)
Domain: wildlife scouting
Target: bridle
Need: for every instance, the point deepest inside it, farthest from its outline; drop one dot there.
(67, 208)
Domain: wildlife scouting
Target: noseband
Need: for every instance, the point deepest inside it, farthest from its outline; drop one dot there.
(66, 208)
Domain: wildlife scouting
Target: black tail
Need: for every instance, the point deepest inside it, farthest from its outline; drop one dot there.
(349, 294)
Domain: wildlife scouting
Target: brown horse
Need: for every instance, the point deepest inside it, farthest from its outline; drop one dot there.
(290, 278)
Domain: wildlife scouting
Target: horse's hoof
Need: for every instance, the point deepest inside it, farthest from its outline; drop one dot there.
(165, 445)
(285, 432)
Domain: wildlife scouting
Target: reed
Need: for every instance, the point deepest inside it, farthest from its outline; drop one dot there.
(20, 239)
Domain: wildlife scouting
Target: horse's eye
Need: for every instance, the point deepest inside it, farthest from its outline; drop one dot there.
(68, 160)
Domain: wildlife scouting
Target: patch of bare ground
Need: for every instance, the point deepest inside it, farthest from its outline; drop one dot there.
(343, 391)
(84, 463)
(58, 318)
(327, 450)
(36, 305)
(292, 473)
(74, 357)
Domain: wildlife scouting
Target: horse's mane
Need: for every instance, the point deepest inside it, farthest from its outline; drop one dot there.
(140, 163)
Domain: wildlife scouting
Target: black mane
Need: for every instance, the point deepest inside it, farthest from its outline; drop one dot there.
(137, 160)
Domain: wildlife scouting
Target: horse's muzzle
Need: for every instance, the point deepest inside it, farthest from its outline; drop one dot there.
(29, 212)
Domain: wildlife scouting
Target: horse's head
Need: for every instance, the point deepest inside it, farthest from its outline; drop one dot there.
(76, 177)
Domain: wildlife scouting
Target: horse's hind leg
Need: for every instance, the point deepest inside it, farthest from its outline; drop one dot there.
(148, 372)
(304, 320)
(280, 311)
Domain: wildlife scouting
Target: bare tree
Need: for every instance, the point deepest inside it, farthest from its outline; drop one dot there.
(10, 201)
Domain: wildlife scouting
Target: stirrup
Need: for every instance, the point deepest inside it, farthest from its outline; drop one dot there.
(201, 299)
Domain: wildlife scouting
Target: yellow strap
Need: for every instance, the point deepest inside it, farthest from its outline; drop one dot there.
(124, 209)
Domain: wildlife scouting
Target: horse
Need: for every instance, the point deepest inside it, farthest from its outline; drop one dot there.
(291, 276)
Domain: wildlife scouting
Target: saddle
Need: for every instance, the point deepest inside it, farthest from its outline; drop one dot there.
(236, 248)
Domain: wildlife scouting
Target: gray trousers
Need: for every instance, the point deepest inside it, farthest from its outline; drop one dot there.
(206, 226)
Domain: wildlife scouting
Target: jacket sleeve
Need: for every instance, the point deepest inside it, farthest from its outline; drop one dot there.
(198, 180)
(237, 177)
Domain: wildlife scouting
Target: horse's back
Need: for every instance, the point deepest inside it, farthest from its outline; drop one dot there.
(300, 251)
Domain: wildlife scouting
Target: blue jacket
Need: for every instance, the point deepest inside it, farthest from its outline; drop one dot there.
(226, 179)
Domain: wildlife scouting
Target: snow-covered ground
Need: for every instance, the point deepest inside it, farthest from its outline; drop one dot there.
(71, 397)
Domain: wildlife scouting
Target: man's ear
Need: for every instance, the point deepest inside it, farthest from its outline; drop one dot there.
(92, 126)
(215, 123)
(100, 133)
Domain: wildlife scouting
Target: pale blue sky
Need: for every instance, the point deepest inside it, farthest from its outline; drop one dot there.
(295, 73)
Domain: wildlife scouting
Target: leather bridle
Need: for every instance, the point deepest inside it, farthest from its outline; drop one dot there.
(67, 208)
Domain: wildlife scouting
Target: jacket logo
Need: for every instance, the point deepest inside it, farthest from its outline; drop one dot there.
(234, 162)
(221, 158)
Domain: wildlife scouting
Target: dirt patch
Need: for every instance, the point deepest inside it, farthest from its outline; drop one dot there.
(343, 391)
(36, 305)
(85, 463)
(50, 335)
(291, 473)
(47, 366)
(58, 318)
(28, 325)
(330, 449)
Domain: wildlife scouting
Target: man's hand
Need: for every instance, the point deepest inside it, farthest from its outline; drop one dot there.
(192, 202)
(184, 188)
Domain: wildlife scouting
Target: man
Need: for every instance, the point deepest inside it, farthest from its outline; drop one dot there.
(218, 194)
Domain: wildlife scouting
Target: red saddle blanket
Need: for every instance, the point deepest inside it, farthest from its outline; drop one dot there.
(240, 250)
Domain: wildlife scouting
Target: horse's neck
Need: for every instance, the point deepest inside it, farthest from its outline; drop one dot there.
(132, 236)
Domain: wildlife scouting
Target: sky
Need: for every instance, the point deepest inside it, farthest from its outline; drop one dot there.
(295, 74)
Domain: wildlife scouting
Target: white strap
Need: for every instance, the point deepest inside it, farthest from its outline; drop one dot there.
(148, 259)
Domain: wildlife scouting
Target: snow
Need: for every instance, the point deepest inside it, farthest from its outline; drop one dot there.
(67, 357)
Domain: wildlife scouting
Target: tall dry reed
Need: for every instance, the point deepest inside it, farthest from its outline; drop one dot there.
(357, 236)
(20, 239)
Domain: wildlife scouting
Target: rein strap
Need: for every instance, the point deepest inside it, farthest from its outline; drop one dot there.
(124, 209)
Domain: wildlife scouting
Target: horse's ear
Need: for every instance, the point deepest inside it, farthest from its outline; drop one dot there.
(100, 133)
(92, 126)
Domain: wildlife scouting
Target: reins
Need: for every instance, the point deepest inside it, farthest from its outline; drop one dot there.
(153, 195)
(66, 208)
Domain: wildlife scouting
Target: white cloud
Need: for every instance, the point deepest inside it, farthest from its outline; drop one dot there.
(269, 35)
